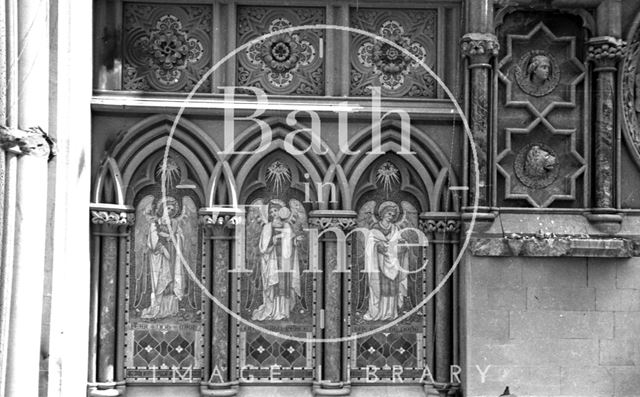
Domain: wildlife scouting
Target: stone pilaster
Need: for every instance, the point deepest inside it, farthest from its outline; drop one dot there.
(479, 49)
(332, 227)
(219, 236)
(604, 53)
(110, 228)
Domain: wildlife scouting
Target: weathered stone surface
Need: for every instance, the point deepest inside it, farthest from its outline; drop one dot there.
(619, 352)
(579, 299)
(623, 300)
(561, 324)
(550, 245)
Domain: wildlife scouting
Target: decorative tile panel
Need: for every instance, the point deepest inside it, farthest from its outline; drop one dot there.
(284, 63)
(166, 47)
(379, 64)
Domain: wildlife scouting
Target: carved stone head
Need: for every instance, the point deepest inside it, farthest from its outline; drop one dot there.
(539, 69)
(538, 162)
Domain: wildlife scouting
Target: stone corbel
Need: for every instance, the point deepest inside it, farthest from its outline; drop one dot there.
(32, 141)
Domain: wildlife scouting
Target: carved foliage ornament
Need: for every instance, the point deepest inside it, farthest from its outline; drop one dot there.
(166, 47)
(536, 166)
(112, 218)
(378, 63)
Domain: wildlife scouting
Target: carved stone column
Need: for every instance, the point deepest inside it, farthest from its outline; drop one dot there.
(110, 229)
(219, 240)
(333, 226)
(480, 48)
(23, 261)
(605, 52)
(442, 231)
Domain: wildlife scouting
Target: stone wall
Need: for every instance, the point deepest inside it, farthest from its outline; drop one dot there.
(553, 326)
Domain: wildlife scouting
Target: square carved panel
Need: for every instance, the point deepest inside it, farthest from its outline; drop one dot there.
(166, 47)
(281, 63)
(376, 63)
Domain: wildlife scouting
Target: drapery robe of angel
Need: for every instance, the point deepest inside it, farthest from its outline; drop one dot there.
(386, 265)
(280, 272)
(167, 277)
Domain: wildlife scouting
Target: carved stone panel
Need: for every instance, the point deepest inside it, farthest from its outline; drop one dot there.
(164, 318)
(539, 147)
(379, 64)
(286, 63)
(166, 47)
(276, 292)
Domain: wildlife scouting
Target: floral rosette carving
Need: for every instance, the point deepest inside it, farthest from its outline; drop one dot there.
(282, 63)
(389, 62)
(166, 48)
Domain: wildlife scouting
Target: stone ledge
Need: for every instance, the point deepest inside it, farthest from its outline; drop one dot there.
(554, 246)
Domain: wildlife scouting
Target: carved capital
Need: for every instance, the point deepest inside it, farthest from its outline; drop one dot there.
(479, 47)
(440, 225)
(225, 220)
(605, 51)
(32, 141)
(113, 218)
(329, 222)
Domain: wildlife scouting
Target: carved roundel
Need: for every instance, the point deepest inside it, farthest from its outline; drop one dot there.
(537, 73)
(536, 165)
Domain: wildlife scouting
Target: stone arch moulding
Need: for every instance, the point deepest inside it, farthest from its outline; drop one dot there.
(429, 161)
(321, 168)
(630, 91)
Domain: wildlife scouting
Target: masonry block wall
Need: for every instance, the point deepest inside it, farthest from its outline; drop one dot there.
(553, 326)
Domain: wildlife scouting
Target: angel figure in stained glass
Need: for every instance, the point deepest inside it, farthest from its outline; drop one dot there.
(386, 256)
(164, 225)
(274, 240)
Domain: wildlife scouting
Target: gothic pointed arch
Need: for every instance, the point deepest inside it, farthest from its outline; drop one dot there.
(318, 159)
(429, 165)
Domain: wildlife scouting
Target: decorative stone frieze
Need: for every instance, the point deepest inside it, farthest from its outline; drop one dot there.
(552, 245)
(32, 141)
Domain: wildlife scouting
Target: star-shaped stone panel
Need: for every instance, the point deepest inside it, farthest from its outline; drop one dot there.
(540, 91)
(540, 163)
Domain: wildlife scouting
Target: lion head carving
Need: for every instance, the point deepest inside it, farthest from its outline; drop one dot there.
(538, 162)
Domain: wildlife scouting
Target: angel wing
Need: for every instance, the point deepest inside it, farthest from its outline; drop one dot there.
(298, 222)
(144, 219)
(410, 220)
(366, 219)
(256, 217)
(188, 221)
